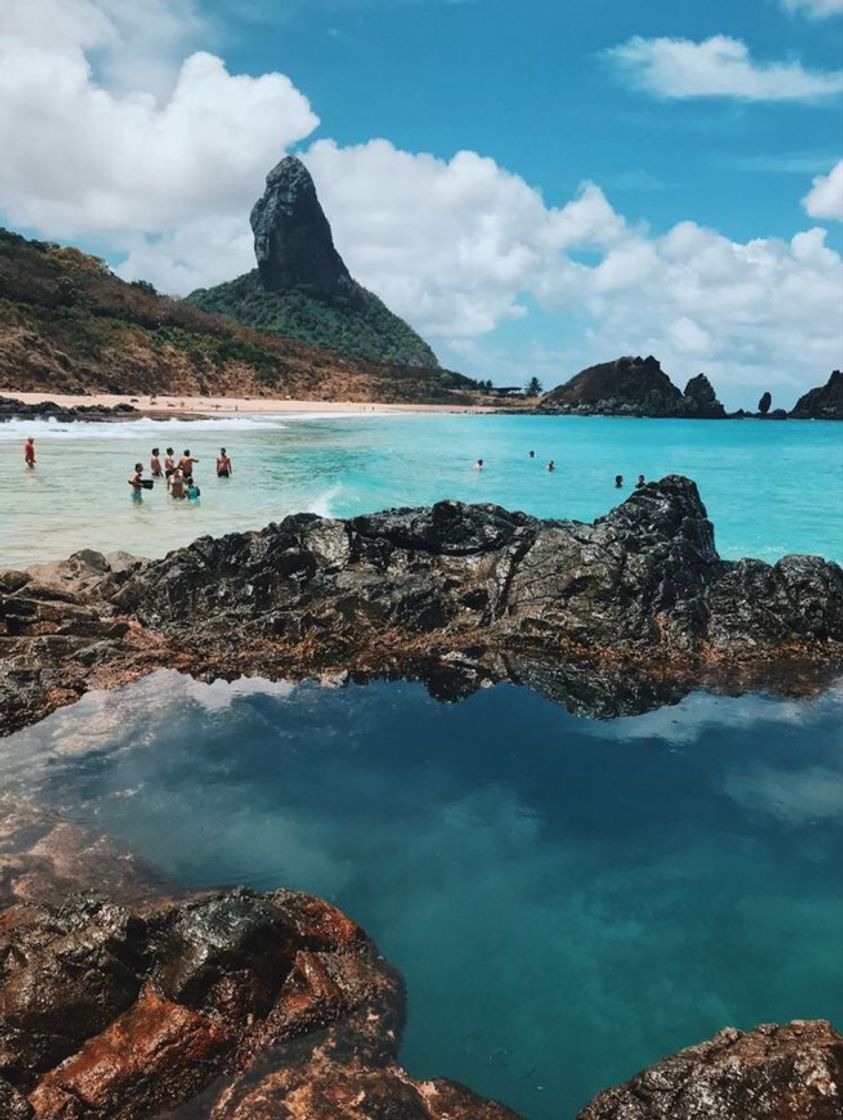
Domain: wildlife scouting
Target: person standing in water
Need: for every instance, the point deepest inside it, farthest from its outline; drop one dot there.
(155, 464)
(641, 482)
(551, 466)
(223, 464)
(618, 481)
(478, 466)
(176, 484)
(532, 454)
(169, 463)
(186, 465)
(136, 482)
(29, 452)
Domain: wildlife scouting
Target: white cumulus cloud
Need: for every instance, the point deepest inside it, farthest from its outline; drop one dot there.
(717, 67)
(161, 168)
(825, 198)
(814, 9)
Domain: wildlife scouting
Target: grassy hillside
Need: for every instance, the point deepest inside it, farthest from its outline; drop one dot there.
(68, 324)
(354, 323)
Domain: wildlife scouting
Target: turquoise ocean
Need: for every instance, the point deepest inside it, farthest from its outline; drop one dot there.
(568, 899)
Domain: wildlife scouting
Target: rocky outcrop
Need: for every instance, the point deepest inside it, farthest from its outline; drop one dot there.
(764, 403)
(822, 403)
(463, 593)
(11, 409)
(633, 387)
(302, 288)
(789, 1072)
(701, 400)
(293, 243)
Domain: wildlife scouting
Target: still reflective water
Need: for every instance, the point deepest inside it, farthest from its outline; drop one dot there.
(568, 899)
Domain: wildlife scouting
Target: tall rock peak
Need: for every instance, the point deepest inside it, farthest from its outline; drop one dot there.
(293, 242)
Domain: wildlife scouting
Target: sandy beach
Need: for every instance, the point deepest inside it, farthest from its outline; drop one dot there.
(172, 406)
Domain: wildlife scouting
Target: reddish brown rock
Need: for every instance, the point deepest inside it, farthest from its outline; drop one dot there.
(789, 1072)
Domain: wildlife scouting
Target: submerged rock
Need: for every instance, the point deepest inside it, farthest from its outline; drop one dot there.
(640, 594)
(823, 403)
(789, 1072)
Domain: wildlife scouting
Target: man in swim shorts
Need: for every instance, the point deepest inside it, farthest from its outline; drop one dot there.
(155, 464)
(223, 464)
(169, 462)
(186, 465)
(136, 481)
(29, 452)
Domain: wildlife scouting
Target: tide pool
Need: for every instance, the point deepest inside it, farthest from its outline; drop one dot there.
(770, 488)
(569, 900)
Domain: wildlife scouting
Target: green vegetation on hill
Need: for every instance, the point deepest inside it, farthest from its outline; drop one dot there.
(69, 325)
(353, 322)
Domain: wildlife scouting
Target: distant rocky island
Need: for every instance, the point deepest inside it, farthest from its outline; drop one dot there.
(822, 403)
(302, 288)
(636, 386)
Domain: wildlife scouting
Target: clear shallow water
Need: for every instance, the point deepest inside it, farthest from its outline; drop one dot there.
(569, 900)
(770, 488)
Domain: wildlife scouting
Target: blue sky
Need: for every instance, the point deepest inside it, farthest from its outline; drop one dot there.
(535, 186)
(528, 84)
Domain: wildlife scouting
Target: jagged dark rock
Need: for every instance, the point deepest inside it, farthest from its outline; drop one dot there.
(701, 399)
(302, 288)
(11, 409)
(633, 387)
(764, 403)
(788, 1072)
(822, 403)
(489, 594)
(293, 243)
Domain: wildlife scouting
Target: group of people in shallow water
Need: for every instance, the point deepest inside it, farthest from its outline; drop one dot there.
(551, 466)
(178, 475)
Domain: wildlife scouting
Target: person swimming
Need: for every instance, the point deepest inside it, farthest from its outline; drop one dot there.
(478, 466)
(531, 454)
(618, 481)
(155, 464)
(223, 464)
(641, 482)
(169, 462)
(29, 452)
(551, 466)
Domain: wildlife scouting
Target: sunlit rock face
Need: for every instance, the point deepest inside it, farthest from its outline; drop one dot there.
(789, 1072)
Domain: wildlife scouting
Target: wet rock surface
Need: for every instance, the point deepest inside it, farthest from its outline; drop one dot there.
(639, 601)
(788, 1072)
(239, 1005)
(230, 1004)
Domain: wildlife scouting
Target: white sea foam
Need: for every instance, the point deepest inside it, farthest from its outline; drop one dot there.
(14, 431)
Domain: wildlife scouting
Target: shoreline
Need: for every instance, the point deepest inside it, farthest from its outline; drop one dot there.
(185, 407)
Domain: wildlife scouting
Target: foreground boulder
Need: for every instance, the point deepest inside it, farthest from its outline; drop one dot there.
(231, 1004)
(506, 596)
(790, 1072)
(823, 403)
